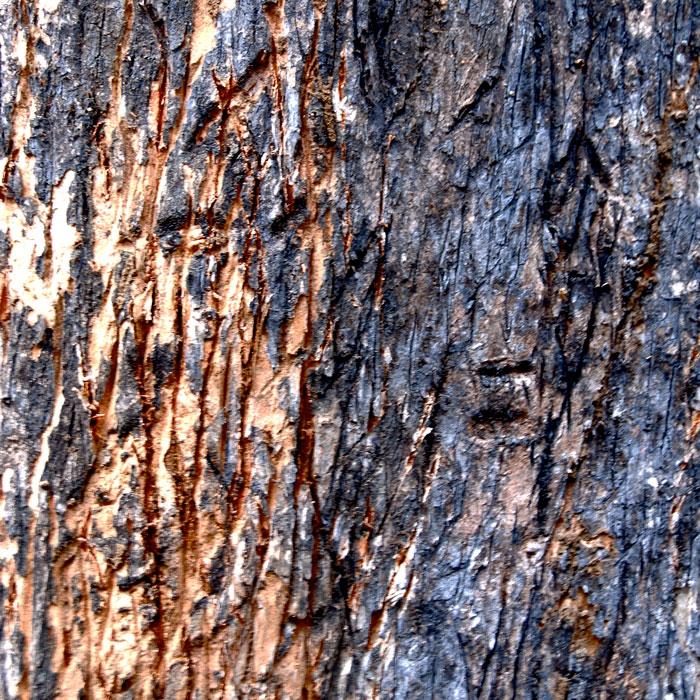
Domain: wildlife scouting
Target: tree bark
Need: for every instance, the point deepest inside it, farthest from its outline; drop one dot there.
(349, 350)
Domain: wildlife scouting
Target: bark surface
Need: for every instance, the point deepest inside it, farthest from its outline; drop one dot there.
(349, 349)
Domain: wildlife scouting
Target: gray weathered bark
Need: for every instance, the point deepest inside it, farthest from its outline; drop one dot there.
(349, 349)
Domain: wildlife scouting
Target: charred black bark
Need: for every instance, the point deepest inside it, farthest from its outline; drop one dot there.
(349, 350)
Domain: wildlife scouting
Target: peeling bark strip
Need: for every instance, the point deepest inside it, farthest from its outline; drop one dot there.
(349, 350)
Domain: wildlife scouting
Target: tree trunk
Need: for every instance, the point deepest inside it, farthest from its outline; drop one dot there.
(349, 350)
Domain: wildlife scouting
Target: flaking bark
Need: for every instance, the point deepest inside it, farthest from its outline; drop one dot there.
(349, 350)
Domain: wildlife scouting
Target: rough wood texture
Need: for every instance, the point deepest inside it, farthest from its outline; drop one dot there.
(349, 349)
